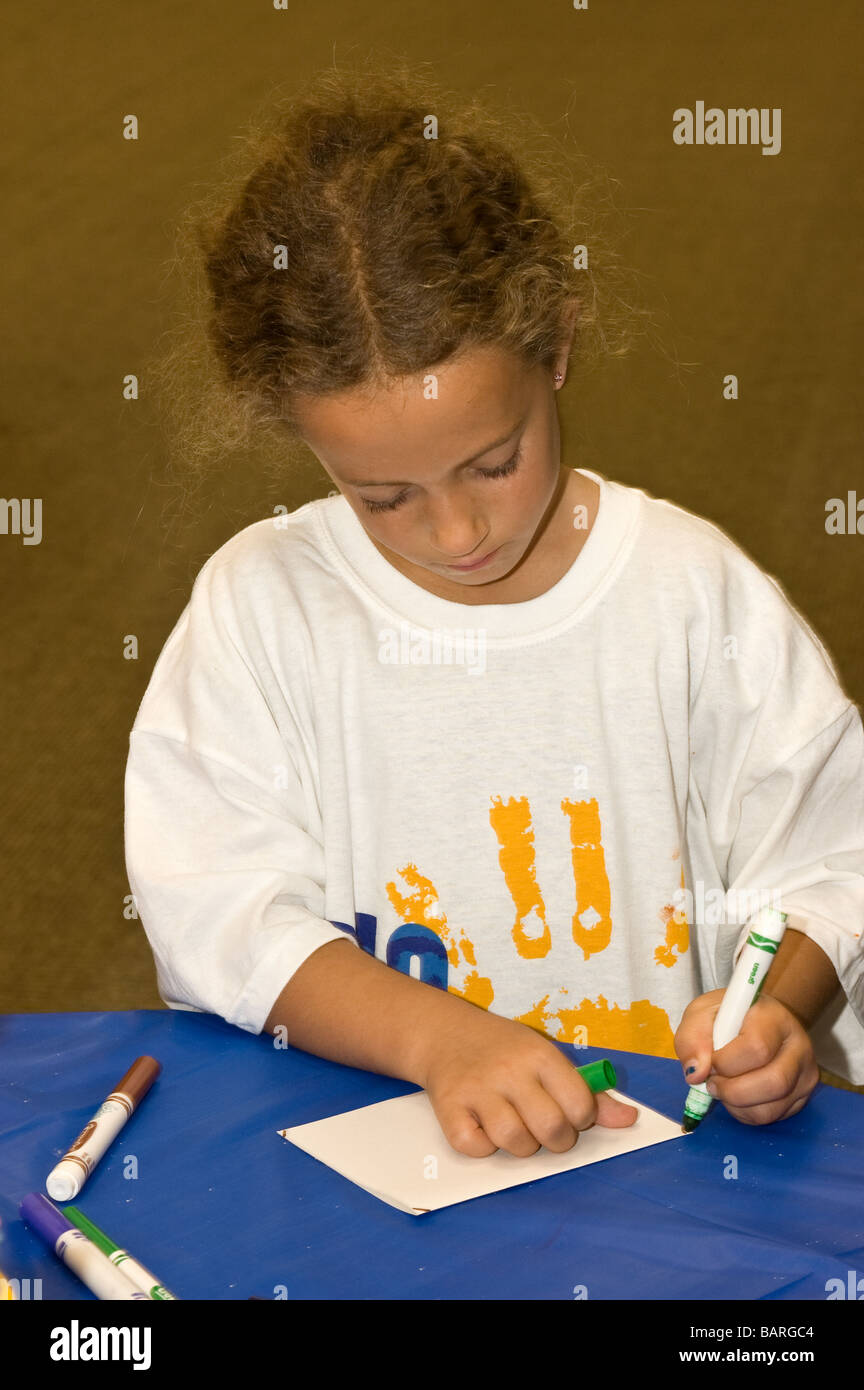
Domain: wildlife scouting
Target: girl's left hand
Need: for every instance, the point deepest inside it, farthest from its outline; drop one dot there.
(765, 1074)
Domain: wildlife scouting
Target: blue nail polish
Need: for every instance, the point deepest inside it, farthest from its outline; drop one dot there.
(689, 1070)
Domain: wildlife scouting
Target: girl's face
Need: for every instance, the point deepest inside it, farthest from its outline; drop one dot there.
(441, 483)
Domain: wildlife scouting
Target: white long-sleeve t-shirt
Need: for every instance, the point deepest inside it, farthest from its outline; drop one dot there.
(564, 810)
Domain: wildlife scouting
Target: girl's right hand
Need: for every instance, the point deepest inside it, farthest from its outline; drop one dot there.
(498, 1084)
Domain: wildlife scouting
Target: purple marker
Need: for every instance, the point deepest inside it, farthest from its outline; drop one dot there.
(77, 1252)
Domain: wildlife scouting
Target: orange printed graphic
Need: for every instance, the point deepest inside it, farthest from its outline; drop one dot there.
(592, 920)
(642, 1028)
(512, 825)
(677, 933)
(421, 905)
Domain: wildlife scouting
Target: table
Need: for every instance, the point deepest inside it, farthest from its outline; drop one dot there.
(202, 1190)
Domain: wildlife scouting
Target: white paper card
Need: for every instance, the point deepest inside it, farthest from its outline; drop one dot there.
(396, 1150)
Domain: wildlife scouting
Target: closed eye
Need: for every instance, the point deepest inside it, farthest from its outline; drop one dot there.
(502, 471)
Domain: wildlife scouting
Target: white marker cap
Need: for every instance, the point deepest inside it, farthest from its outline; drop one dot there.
(63, 1182)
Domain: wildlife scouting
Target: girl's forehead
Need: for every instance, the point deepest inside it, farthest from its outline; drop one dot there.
(463, 400)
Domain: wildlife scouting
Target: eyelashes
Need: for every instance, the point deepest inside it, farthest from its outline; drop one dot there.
(502, 471)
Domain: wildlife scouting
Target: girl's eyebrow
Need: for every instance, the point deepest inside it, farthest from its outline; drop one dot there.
(407, 482)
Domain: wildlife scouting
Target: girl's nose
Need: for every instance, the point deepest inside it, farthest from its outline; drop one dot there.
(458, 535)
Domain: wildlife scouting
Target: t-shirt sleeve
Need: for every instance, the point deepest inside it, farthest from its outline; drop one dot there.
(778, 758)
(226, 872)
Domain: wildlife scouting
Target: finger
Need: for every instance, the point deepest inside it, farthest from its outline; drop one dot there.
(613, 1113)
(799, 1104)
(791, 1073)
(462, 1128)
(694, 1041)
(766, 1029)
(762, 1086)
(762, 1037)
(513, 1129)
(769, 1114)
(544, 1117)
(578, 1105)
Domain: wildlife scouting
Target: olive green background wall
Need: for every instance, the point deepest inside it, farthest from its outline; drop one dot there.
(752, 259)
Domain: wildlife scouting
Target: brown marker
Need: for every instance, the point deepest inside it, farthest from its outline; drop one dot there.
(66, 1180)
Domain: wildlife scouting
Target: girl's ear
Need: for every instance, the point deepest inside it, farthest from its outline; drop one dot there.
(571, 314)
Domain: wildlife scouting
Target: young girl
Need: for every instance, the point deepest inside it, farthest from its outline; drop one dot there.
(505, 731)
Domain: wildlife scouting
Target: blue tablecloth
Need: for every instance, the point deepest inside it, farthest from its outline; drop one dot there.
(222, 1207)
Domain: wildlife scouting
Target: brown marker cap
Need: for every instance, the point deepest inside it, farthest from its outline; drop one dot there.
(138, 1079)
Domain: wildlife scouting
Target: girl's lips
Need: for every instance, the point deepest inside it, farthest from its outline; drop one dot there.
(477, 563)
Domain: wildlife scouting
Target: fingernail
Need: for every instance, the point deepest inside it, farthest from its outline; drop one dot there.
(690, 1067)
(711, 1087)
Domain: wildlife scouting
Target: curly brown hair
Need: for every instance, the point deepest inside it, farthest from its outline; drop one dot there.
(371, 226)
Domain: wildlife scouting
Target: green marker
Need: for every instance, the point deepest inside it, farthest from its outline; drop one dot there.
(599, 1076)
(139, 1277)
(748, 977)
